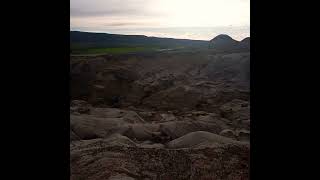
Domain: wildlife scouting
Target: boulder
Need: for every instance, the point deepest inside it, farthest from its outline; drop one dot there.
(177, 129)
(236, 110)
(91, 127)
(73, 136)
(127, 116)
(112, 140)
(80, 106)
(168, 117)
(228, 133)
(200, 139)
(156, 145)
(119, 140)
(138, 132)
(243, 135)
(121, 177)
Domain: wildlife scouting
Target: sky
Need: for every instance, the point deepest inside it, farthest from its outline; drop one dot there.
(186, 19)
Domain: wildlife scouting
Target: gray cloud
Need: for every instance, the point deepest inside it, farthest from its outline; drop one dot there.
(75, 12)
(90, 8)
(119, 24)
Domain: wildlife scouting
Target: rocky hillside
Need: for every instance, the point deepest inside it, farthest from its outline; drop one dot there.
(162, 81)
(166, 115)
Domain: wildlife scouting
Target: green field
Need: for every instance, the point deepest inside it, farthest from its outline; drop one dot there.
(111, 50)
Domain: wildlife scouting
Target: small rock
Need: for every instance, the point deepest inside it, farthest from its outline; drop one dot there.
(210, 101)
(98, 87)
(79, 103)
(168, 117)
(188, 115)
(121, 177)
(243, 135)
(228, 133)
(157, 145)
(146, 114)
(198, 113)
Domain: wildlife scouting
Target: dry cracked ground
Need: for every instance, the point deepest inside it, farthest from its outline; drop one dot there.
(163, 116)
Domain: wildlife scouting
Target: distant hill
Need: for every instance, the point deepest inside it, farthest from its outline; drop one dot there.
(245, 42)
(224, 42)
(100, 43)
(85, 39)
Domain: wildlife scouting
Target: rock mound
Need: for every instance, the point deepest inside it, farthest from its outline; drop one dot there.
(200, 139)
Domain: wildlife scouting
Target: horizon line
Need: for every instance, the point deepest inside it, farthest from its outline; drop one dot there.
(97, 32)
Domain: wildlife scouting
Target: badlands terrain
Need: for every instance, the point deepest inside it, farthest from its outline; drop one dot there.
(168, 115)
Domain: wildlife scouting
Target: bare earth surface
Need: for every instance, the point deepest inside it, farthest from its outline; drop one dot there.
(164, 116)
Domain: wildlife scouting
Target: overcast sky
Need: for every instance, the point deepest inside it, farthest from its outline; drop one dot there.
(191, 19)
